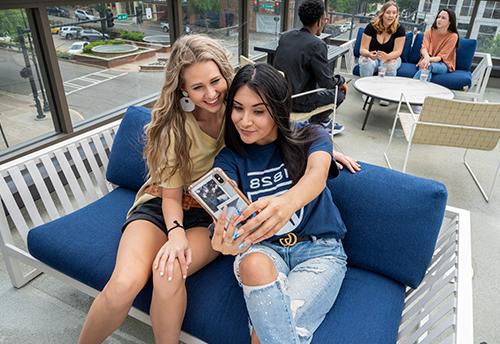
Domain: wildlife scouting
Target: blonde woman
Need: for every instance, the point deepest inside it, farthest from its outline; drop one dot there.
(165, 235)
(382, 42)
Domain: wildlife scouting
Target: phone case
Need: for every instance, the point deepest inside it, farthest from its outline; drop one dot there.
(214, 191)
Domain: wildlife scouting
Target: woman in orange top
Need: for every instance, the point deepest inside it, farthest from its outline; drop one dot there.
(440, 45)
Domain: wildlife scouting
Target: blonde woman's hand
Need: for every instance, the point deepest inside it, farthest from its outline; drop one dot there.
(177, 247)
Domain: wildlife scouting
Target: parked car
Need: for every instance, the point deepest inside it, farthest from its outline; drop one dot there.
(345, 27)
(165, 27)
(91, 35)
(85, 15)
(58, 11)
(5, 38)
(77, 47)
(55, 29)
(70, 32)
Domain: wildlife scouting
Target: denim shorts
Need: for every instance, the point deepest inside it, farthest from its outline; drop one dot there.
(151, 211)
(310, 275)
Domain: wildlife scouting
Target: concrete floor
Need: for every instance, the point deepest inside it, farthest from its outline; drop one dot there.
(47, 311)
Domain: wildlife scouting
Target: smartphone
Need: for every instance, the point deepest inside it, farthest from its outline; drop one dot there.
(214, 191)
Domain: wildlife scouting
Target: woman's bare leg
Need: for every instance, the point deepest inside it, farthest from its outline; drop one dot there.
(168, 305)
(138, 247)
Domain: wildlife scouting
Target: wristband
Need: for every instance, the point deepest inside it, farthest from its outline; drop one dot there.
(177, 225)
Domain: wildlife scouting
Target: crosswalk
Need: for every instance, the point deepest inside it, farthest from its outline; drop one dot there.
(89, 80)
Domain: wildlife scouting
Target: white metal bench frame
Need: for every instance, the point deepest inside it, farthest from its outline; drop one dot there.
(440, 309)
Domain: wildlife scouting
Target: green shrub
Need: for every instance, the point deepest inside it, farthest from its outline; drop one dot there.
(63, 55)
(88, 47)
(132, 35)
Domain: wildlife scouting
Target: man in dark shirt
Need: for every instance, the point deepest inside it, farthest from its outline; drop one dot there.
(303, 58)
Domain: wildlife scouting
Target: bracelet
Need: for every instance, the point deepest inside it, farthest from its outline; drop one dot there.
(177, 225)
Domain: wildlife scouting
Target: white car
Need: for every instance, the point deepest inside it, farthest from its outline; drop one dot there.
(345, 27)
(70, 32)
(84, 15)
(77, 48)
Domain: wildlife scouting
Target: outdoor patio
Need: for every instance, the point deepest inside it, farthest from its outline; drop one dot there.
(48, 311)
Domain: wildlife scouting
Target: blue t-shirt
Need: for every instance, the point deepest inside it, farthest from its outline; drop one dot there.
(262, 173)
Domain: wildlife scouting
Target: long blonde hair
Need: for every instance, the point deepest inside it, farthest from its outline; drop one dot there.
(168, 119)
(378, 21)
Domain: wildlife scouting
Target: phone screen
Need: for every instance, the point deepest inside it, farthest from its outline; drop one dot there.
(215, 192)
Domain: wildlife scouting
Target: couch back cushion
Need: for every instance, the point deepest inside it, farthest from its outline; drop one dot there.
(414, 55)
(127, 167)
(465, 53)
(392, 220)
(357, 44)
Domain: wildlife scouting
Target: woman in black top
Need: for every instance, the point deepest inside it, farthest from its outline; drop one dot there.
(382, 42)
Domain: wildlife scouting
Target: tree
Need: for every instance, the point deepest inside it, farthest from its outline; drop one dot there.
(203, 7)
(10, 20)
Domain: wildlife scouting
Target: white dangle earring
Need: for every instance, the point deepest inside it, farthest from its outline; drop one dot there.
(187, 104)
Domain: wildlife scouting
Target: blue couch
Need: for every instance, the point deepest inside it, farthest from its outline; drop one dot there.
(393, 220)
(458, 80)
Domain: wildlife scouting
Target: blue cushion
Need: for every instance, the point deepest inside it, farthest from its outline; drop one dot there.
(372, 302)
(407, 47)
(465, 53)
(456, 80)
(392, 220)
(355, 70)
(127, 167)
(407, 69)
(357, 44)
(367, 310)
(83, 244)
(414, 55)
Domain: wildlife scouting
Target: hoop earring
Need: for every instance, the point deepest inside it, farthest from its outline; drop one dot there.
(187, 104)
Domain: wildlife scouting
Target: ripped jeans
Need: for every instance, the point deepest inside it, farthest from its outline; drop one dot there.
(291, 308)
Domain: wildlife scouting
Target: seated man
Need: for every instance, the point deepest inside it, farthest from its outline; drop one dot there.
(303, 58)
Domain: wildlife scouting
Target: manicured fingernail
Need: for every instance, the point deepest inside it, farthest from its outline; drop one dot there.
(184, 276)
(242, 245)
(169, 278)
(162, 273)
(235, 235)
(156, 267)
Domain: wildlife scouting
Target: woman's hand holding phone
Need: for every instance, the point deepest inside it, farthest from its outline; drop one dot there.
(272, 213)
(229, 241)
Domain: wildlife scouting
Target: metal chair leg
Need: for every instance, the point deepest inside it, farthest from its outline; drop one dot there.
(486, 197)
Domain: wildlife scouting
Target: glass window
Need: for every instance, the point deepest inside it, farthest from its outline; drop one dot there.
(492, 10)
(427, 5)
(462, 29)
(488, 40)
(24, 109)
(467, 7)
(451, 4)
(110, 57)
(264, 23)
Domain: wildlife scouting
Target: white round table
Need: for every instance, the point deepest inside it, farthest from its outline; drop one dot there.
(390, 88)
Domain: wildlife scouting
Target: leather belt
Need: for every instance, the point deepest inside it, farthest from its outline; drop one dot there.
(291, 239)
(188, 201)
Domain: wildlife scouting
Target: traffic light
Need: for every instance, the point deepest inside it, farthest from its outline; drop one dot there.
(255, 5)
(110, 19)
(277, 7)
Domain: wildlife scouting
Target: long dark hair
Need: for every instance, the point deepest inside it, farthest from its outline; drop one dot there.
(275, 93)
(453, 22)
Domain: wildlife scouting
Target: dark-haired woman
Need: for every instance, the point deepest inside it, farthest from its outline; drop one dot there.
(439, 49)
(382, 42)
(291, 280)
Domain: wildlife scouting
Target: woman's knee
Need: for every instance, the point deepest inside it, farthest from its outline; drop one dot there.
(121, 291)
(165, 288)
(257, 269)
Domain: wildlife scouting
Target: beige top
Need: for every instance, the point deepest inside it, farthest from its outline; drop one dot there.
(442, 45)
(203, 150)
